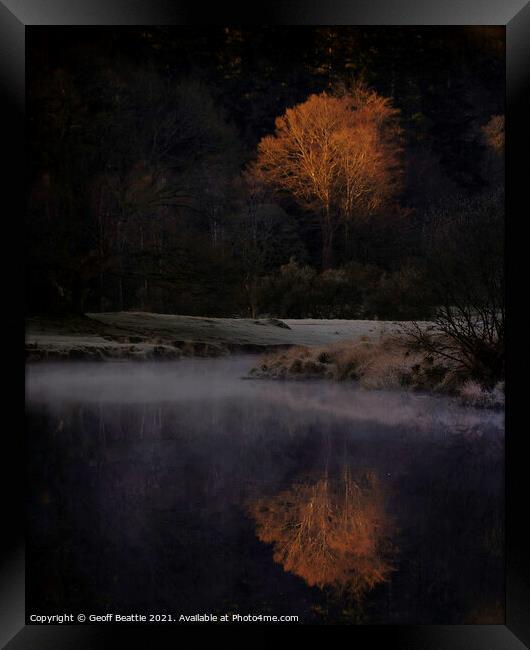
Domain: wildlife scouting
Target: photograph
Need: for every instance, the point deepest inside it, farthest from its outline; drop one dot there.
(265, 324)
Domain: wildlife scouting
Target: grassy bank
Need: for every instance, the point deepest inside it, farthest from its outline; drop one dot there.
(387, 362)
(147, 336)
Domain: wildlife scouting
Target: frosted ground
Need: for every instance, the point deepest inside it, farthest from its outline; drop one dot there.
(144, 335)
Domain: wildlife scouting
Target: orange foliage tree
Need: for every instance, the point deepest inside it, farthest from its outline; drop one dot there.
(336, 156)
(493, 133)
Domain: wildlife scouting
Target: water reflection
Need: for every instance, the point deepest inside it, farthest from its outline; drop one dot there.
(333, 532)
(182, 487)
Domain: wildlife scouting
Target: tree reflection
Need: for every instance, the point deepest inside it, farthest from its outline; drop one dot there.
(331, 532)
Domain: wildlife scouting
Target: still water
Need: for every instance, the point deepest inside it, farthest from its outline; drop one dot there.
(183, 488)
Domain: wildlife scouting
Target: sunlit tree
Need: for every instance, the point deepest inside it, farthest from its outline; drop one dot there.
(493, 133)
(493, 161)
(338, 156)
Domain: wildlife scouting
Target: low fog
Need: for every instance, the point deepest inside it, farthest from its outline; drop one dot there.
(210, 382)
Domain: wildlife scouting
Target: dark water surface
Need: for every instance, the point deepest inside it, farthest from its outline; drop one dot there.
(182, 488)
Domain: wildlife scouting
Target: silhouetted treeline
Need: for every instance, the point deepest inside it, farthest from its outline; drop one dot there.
(143, 146)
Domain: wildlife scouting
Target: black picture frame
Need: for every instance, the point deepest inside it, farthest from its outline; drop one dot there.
(18, 15)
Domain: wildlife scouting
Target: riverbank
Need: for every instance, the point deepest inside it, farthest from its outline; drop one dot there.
(386, 362)
(146, 336)
(375, 354)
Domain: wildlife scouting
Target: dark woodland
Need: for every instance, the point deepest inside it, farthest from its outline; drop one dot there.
(142, 145)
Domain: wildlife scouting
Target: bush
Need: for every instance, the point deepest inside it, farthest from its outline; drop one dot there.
(465, 253)
(353, 291)
(400, 295)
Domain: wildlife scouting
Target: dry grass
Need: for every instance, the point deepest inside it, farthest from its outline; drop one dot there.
(376, 363)
(388, 362)
(474, 394)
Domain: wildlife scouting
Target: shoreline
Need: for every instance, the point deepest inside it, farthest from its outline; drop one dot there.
(146, 336)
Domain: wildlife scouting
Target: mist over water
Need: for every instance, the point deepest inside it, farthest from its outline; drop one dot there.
(173, 486)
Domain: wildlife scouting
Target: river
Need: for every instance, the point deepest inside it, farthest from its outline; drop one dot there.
(183, 488)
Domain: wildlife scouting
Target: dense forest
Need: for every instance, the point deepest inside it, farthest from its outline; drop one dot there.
(330, 172)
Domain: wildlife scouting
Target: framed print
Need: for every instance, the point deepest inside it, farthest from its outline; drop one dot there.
(262, 285)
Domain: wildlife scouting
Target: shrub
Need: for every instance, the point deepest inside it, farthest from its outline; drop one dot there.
(353, 291)
(465, 249)
(383, 363)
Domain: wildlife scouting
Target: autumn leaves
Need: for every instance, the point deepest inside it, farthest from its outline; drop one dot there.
(336, 156)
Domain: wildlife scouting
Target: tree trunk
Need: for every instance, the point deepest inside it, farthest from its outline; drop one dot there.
(327, 238)
(327, 247)
(251, 287)
(78, 294)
